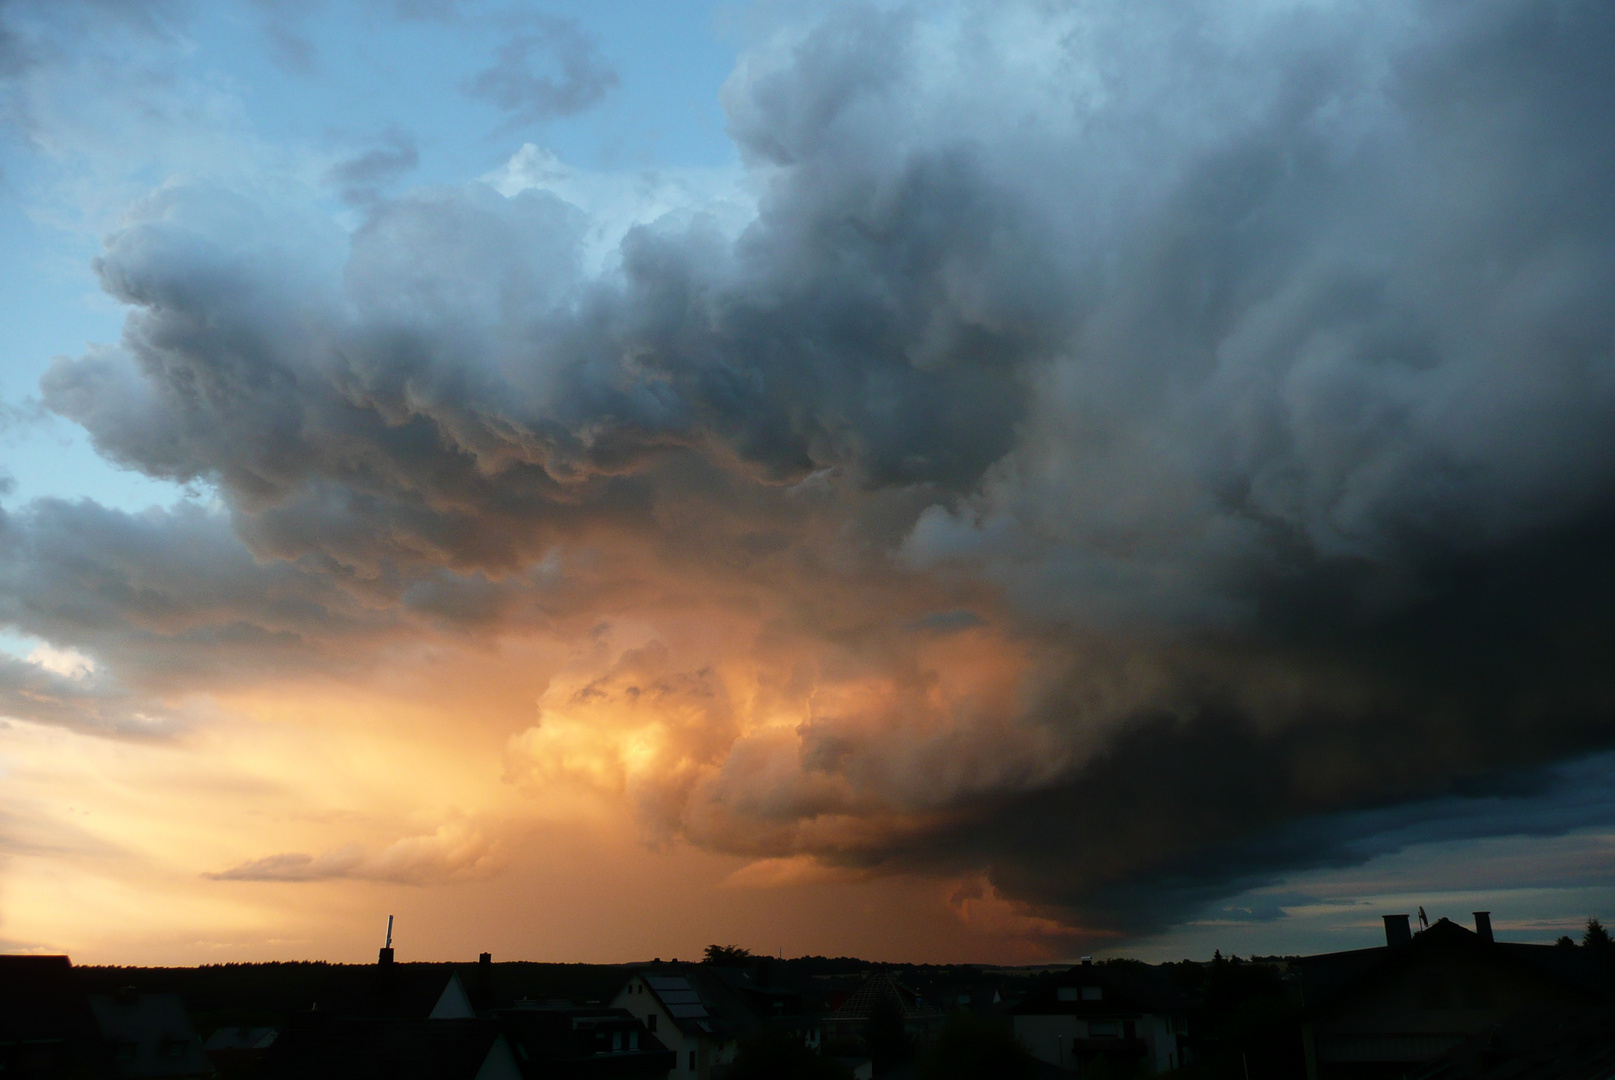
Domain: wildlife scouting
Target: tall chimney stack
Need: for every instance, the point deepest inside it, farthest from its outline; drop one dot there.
(485, 979)
(1483, 926)
(1397, 931)
(387, 949)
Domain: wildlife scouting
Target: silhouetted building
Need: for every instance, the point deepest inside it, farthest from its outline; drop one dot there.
(46, 1028)
(680, 1008)
(1387, 1011)
(880, 994)
(320, 1046)
(566, 1042)
(404, 991)
(148, 1035)
(702, 1012)
(1130, 1017)
(391, 1021)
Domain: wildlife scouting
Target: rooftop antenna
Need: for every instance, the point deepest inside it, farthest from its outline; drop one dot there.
(387, 949)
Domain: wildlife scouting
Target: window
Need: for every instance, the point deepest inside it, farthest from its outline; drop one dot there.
(1092, 993)
(616, 1041)
(650, 1022)
(1067, 993)
(633, 1040)
(1104, 1029)
(692, 1060)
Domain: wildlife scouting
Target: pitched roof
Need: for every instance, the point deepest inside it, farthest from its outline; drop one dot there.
(405, 991)
(881, 988)
(1328, 977)
(38, 999)
(690, 1003)
(21, 972)
(710, 1001)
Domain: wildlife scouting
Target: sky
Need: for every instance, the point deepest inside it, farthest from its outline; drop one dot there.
(926, 481)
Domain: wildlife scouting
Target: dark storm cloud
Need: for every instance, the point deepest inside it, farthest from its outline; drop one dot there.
(547, 68)
(1261, 362)
(166, 596)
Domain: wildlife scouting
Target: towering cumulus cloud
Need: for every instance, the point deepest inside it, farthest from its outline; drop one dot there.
(1130, 440)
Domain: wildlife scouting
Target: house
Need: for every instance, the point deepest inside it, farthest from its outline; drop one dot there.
(46, 1028)
(702, 1012)
(1392, 1010)
(391, 1021)
(880, 993)
(412, 991)
(323, 1046)
(681, 1009)
(148, 1035)
(1127, 1015)
(49, 1028)
(560, 1041)
(755, 1002)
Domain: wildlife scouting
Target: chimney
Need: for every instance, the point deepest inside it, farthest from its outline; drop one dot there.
(485, 979)
(1087, 961)
(387, 949)
(1396, 930)
(1483, 926)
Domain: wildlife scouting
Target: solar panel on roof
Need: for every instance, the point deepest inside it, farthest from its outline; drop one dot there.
(667, 982)
(688, 1012)
(679, 997)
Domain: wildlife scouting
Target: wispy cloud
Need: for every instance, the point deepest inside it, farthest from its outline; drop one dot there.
(362, 177)
(451, 853)
(546, 69)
